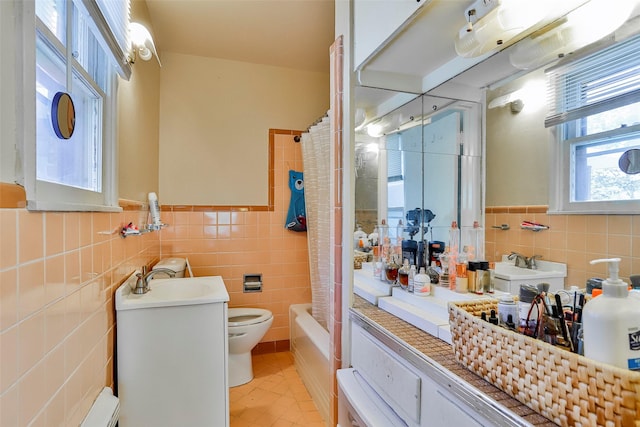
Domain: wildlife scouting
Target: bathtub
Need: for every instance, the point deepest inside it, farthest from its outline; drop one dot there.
(310, 348)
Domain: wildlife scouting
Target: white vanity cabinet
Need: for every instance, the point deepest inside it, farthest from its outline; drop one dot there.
(377, 21)
(416, 398)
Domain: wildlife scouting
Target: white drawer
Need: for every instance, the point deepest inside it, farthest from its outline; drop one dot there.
(396, 383)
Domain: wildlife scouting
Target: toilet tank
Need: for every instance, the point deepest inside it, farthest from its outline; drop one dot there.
(175, 264)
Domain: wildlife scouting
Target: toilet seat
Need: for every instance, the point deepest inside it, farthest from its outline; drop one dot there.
(247, 316)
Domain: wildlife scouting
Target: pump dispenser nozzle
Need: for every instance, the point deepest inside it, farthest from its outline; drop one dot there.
(613, 286)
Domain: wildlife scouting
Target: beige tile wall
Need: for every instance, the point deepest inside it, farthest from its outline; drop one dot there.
(231, 243)
(58, 274)
(571, 239)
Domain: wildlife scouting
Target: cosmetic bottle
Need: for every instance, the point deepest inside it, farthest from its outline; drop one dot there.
(411, 279)
(611, 323)
(507, 307)
(422, 283)
(359, 238)
(154, 209)
(403, 275)
(454, 247)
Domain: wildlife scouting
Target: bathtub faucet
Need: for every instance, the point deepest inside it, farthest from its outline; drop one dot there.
(142, 284)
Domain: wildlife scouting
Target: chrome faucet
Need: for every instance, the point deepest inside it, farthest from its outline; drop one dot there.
(524, 262)
(142, 284)
(531, 262)
(521, 260)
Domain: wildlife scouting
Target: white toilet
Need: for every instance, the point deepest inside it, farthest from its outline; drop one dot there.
(247, 326)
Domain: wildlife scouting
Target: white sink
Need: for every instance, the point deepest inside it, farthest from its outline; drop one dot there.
(546, 269)
(172, 292)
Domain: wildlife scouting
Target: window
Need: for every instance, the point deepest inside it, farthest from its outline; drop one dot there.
(597, 114)
(76, 52)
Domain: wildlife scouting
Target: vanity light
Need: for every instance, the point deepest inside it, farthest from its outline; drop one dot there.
(375, 130)
(492, 23)
(375, 148)
(533, 94)
(581, 27)
(142, 45)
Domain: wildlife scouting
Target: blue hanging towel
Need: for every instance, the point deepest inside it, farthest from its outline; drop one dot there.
(296, 217)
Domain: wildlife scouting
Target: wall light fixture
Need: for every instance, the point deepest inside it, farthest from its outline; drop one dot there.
(492, 23)
(142, 45)
(587, 24)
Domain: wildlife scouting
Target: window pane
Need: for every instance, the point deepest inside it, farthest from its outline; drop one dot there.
(627, 115)
(74, 162)
(52, 14)
(88, 51)
(595, 171)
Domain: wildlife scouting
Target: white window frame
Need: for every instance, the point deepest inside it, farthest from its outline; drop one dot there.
(561, 181)
(45, 196)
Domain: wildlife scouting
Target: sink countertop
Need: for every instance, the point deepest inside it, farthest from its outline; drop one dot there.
(507, 270)
(435, 358)
(171, 292)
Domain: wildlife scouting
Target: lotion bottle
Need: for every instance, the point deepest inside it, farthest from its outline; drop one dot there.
(154, 209)
(611, 323)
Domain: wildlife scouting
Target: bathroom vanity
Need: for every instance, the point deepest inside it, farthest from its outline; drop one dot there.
(172, 351)
(416, 379)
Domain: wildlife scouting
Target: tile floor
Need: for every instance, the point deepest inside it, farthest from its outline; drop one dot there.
(276, 397)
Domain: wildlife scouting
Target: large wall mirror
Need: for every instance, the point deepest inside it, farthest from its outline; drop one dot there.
(418, 167)
(430, 146)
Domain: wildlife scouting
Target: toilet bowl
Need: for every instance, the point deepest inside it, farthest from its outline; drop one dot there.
(247, 326)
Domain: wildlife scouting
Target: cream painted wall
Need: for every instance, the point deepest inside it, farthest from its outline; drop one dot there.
(9, 101)
(138, 128)
(215, 117)
(518, 147)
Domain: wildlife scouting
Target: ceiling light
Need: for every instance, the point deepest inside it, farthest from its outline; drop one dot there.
(581, 27)
(142, 45)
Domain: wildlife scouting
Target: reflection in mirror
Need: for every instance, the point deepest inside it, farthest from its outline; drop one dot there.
(629, 162)
(425, 174)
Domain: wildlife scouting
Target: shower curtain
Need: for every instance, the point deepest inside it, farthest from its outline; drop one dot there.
(316, 160)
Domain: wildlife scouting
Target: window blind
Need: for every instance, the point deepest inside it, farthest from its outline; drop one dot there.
(599, 82)
(112, 20)
(394, 165)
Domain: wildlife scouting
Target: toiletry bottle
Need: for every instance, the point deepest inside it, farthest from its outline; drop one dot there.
(454, 245)
(377, 263)
(154, 209)
(412, 275)
(472, 276)
(487, 284)
(399, 234)
(422, 283)
(478, 240)
(403, 275)
(527, 315)
(611, 323)
(359, 237)
(461, 278)
(507, 307)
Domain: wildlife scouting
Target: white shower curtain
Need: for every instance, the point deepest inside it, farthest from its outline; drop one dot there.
(316, 160)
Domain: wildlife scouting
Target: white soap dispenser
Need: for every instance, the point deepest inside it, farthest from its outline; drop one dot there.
(611, 323)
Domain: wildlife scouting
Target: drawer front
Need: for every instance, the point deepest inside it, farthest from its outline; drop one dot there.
(397, 384)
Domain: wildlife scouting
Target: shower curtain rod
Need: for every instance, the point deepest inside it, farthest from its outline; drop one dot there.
(318, 120)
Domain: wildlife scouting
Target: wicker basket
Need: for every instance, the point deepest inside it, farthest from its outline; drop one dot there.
(566, 388)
